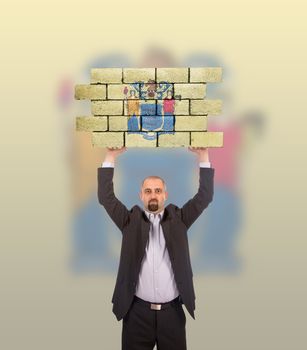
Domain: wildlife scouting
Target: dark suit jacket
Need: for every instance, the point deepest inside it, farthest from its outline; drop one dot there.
(134, 226)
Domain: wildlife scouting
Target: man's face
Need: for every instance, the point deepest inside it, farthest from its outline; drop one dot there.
(153, 195)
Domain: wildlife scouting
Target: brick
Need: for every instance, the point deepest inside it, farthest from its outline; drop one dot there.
(133, 75)
(157, 122)
(200, 107)
(179, 139)
(138, 107)
(106, 75)
(206, 75)
(169, 123)
(108, 139)
(91, 123)
(117, 91)
(138, 140)
(192, 91)
(206, 139)
(107, 107)
(173, 75)
(191, 123)
(181, 107)
(90, 92)
(158, 91)
(118, 123)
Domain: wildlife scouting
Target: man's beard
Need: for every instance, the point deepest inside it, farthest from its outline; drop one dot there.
(153, 206)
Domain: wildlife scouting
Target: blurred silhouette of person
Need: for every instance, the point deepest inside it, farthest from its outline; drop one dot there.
(213, 241)
(217, 241)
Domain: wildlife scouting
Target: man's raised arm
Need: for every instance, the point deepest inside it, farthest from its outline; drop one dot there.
(114, 207)
(192, 209)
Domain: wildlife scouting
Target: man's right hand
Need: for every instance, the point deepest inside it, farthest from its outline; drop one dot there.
(113, 152)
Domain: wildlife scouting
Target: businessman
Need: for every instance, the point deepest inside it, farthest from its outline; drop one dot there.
(155, 276)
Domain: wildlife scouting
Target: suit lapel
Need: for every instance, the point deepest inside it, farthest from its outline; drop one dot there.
(145, 225)
(165, 223)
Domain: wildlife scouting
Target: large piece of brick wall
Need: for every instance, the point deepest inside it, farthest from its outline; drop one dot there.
(150, 107)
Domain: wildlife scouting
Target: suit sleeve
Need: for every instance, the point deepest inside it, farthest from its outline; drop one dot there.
(192, 209)
(114, 207)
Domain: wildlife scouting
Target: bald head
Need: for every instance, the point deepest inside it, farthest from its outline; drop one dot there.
(154, 177)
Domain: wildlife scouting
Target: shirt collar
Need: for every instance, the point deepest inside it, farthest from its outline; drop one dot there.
(148, 213)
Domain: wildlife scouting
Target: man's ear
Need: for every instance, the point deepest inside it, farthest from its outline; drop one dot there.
(166, 195)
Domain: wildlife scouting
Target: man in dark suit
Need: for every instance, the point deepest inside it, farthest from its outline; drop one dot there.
(155, 275)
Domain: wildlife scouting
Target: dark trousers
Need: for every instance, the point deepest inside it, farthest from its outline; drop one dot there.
(144, 327)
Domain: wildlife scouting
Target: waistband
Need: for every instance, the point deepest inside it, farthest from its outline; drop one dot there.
(158, 306)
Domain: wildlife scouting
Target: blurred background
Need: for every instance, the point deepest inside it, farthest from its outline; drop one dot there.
(59, 251)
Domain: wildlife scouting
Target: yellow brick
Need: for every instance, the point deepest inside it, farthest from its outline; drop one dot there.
(133, 75)
(107, 107)
(206, 139)
(90, 92)
(118, 123)
(206, 75)
(179, 139)
(116, 92)
(173, 75)
(190, 123)
(182, 107)
(106, 75)
(91, 123)
(108, 139)
(200, 107)
(138, 140)
(190, 90)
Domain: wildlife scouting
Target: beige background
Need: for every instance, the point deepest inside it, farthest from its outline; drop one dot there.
(42, 304)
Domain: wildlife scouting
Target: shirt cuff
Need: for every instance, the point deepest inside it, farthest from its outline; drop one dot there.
(205, 164)
(107, 165)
